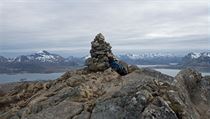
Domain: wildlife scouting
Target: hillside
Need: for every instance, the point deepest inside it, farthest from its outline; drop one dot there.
(80, 94)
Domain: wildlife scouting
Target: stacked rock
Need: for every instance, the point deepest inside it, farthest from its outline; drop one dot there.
(99, 50)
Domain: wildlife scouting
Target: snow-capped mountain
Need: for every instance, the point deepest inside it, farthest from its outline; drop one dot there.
(41, 62)
(41, 56)
(205, 54)
(145, 55)
(197, 59)
(44, 61)
(194, 55)
(150, 58)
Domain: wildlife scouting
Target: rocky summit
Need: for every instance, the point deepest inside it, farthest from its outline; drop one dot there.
(142, 94)
(104, 94)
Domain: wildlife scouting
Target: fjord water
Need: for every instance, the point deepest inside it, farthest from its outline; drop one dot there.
(6, 78)
(170, 72)
(174, 72)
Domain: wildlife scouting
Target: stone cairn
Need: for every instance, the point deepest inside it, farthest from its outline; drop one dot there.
(99, 50)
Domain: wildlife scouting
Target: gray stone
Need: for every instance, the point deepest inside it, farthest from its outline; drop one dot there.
(158, 109)
(83, 115)
(99, 50)
(64, 110)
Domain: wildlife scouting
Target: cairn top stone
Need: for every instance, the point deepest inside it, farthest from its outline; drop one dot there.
(99, 37)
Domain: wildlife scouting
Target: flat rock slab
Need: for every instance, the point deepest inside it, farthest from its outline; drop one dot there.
(64, 110)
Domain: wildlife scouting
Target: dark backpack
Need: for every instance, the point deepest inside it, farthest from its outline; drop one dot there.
(118, 67)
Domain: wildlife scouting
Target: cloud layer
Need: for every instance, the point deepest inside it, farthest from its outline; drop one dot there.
(70, 26)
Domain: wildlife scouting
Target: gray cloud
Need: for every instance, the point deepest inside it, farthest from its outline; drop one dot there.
(69, 26)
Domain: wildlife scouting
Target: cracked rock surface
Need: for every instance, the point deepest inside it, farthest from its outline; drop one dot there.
(142, 94)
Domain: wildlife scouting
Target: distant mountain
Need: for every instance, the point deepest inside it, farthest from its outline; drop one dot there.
(77, 60)
(3, 59)
(147, 55)
(150, 58)
(41, 56)
(197, 59)
(41, 62)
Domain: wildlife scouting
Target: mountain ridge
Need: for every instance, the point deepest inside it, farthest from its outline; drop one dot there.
(197, 59)
(39, 62)
(44, 57)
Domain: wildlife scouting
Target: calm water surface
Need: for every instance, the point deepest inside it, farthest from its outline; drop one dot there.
(170, 72)
(6, 78)
(174, 72)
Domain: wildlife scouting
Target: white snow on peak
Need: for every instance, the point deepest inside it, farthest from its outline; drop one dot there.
(195, 55)
(46, 58)
(206, 54)
(43, 56)
(11, 59)
(148, 55)
(86, 57)
(42, 52)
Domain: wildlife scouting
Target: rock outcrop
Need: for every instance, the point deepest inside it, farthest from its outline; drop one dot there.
(100, 93)
(99, 50)
(79, 94)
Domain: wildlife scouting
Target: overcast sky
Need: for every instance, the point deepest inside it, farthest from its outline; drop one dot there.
(68, 26)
